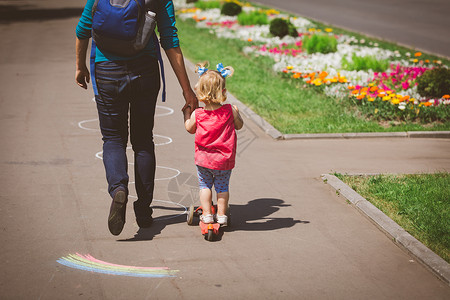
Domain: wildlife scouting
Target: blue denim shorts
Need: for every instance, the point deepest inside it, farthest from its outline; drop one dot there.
(208, 177)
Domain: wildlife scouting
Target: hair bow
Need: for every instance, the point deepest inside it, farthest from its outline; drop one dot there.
(224, 72)
(201, 71)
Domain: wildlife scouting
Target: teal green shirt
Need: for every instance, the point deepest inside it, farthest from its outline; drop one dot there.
(165, 21)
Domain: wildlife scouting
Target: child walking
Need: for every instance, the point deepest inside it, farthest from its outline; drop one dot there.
(215, 139)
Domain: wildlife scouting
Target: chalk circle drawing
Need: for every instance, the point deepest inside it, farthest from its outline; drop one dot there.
(161, 171)
(160, 140)
(82, 125)
(89, 263)
(161, 208)
(168, 110)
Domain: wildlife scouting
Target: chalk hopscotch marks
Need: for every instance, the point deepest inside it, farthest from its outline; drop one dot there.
(83, 125)
(89, 263)
(162, 111)
(162, 173)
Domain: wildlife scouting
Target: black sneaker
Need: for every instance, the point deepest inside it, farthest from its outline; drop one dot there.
(116, 219)
(143, 215)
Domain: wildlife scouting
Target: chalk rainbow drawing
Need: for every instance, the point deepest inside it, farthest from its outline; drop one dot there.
(89, 263)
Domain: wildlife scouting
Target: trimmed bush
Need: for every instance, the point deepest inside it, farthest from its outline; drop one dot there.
(253, 18)
(207, 4)
(231, 9)
(365, 63)
(320, 43)
(280, 27)
(434, 83)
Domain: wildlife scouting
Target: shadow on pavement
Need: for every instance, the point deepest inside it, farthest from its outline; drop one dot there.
(159, 223)
(255, 216)
(12, 13)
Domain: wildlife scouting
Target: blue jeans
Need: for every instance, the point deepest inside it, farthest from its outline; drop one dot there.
(128, 88)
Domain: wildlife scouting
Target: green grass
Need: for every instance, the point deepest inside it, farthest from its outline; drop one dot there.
(419, 203)
(283, 103)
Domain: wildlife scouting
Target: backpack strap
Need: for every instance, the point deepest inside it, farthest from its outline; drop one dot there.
(92, 61)
(161, 64)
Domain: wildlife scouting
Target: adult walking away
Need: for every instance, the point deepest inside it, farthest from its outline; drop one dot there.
(129, 85)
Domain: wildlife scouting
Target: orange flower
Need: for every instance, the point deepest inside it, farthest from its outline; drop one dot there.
(297, 75)
(250, 40)
(351, 87)
(428, 104)
(323, 74)
(404, 98)
(374, 89)
(446, 96)
(364, 90)
(360, 97)
(354, 92)
(417, 54)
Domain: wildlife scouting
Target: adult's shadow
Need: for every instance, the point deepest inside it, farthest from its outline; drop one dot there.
(159, 223)
(255, 216)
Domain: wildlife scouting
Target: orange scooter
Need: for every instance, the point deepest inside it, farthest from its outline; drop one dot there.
(209, 231)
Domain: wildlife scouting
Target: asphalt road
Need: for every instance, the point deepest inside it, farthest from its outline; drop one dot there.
(292, 237)
(421, 25)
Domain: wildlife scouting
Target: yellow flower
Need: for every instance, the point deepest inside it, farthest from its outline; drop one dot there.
(370, 99)
(395, 101)
(376, 110)
(311, 29)
(386, 98)
(328, 29)
(289, 67)
(415, 60)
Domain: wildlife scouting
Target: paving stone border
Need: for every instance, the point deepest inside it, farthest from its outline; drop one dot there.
(430, 259)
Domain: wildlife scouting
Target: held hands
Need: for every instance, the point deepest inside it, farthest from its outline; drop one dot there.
(191, 100)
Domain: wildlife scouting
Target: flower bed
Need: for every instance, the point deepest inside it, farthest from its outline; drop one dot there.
(388, 95)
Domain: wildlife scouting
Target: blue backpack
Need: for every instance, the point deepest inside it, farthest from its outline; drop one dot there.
(124, 28)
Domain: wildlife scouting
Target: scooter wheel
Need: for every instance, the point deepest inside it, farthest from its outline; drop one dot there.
(190, 216)
(210, 235)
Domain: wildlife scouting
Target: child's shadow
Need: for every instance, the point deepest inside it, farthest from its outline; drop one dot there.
(255, 216)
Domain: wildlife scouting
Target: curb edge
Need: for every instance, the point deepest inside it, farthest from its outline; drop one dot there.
(430, 259)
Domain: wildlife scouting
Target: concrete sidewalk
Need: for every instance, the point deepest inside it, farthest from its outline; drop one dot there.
(292, 236)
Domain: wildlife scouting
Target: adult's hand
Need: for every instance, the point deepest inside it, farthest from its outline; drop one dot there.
(191, 100)
(82, 77)
(82, 72)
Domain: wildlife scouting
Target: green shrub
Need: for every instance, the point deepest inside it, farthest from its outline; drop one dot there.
(280, 27)
(207, 4)
(320, 43)
(292, 30)
(231, 9)
(365, 63)
(434, 83)
(253, 18)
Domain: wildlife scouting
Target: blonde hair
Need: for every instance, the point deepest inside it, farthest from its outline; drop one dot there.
(211, 85)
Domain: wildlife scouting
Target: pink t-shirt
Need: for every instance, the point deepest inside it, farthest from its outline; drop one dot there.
(215, 138)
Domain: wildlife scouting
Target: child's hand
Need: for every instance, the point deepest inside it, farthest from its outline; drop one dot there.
(236, 108)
